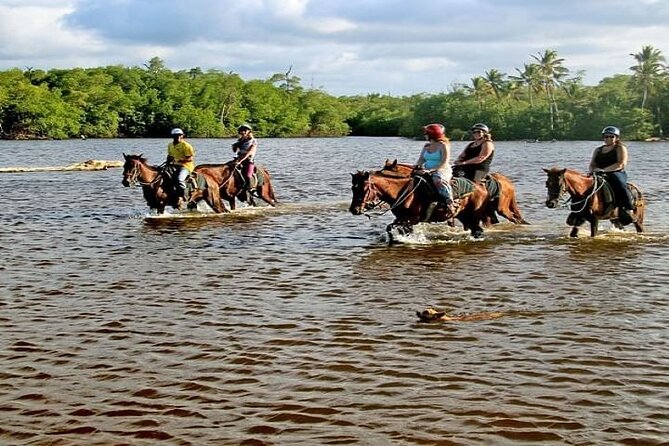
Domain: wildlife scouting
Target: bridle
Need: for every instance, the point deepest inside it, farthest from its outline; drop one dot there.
(371, 198)
(597, 185)
(133, 176)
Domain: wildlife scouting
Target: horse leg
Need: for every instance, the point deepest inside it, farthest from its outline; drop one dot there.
(594, 224)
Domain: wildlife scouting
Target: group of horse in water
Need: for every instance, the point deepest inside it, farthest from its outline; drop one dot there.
(401, 189)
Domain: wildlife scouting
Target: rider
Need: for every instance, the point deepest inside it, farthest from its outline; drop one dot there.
(611, 159)
(245, 150)
(435, 158)
(474, 161)
(180, 154)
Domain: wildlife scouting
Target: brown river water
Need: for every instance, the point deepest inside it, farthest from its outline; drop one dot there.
(296, 325)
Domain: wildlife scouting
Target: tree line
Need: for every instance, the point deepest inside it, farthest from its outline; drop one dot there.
(541, 100)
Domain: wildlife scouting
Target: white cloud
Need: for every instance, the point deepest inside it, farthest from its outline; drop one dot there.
(347, 48)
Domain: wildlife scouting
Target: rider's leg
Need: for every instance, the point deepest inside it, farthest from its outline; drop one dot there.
(623, 195)
(182, 174)
(249, 168)
(442, 183)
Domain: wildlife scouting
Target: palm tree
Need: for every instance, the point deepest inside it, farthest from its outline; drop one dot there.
(479, 89)
(551, 74)
(529, 77)
(495, 79)
(648, 70)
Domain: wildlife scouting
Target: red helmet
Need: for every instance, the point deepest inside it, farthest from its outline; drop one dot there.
(435, 131)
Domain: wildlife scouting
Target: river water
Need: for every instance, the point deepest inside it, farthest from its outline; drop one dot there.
(296, 325)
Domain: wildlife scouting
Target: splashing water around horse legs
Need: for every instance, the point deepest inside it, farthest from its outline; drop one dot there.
(590, 200)
(137, 171)
(232, 185)
(501, 192)
(410, 200)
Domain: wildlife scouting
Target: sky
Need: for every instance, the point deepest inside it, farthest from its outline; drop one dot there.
(343, 47)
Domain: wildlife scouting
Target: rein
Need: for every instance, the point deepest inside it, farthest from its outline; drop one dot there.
(596, 187)
(406, 193)
(134, 177)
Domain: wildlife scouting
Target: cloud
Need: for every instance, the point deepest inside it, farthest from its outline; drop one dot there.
(388, 46)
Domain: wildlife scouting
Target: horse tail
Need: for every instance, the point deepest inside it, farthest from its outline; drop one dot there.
(507, 204)
(267, 190)
(639, 204)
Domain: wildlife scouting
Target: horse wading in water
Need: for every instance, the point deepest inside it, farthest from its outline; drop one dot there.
(501, 194)
(159, 194)
(591, 199)
(231, 183)
(411, 200)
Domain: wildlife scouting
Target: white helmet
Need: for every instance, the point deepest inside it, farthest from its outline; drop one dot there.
(177, 131)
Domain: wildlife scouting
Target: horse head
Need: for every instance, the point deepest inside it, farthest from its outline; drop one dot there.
(364, 193)
(555, 185)
(131, 169)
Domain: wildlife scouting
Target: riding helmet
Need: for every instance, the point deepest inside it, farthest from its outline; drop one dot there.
(611, 130)
(177, 132)
(244, 127)
(480, 126)
(435, 131)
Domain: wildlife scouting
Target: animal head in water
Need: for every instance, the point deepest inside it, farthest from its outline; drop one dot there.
(430, 315)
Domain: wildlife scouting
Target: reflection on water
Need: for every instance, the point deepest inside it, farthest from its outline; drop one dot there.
(296, 325)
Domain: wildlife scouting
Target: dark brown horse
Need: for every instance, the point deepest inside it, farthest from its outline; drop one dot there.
(590, 198)
(231, 183)
(503, 202)
(137, 171)
(410, 199)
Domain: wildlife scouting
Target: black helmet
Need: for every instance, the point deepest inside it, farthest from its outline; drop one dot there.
(244, 127)
(611, 130)
(480, 126)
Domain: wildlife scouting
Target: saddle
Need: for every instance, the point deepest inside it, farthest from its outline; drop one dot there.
(258, 177)
(460, 187)
(608, 194)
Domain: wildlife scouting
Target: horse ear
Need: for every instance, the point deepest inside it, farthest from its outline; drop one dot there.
(394, 163)
(141, 155)
(125, 156)
(545, 170)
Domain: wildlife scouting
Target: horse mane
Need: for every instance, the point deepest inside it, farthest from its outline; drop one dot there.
(140, 157)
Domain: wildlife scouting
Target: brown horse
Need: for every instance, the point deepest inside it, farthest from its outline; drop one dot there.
(231, 183)
(136, 170)
(410, 200)
(590, 199)
(503, 202)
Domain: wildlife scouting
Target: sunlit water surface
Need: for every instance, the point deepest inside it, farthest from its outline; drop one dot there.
(296, 325)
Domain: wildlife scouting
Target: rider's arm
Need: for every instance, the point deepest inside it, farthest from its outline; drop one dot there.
(486, 150)
(592, 167)
(421, 160)
(445, 149)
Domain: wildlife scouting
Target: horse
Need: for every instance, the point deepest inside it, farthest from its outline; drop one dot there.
(412, 201)
(591, 200)
(231, 183)
(158, 194)
(501, 191)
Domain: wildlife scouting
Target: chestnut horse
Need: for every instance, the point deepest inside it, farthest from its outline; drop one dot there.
(231, 183)
(503, 202)
(136, 170)
(589, 201)
(410, 197)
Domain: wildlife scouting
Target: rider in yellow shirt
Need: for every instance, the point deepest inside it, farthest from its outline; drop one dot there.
(182, 155)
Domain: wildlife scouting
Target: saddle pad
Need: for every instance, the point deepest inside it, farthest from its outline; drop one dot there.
(258, 177)
(197, 180)
(461, 187)
(492, 185)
